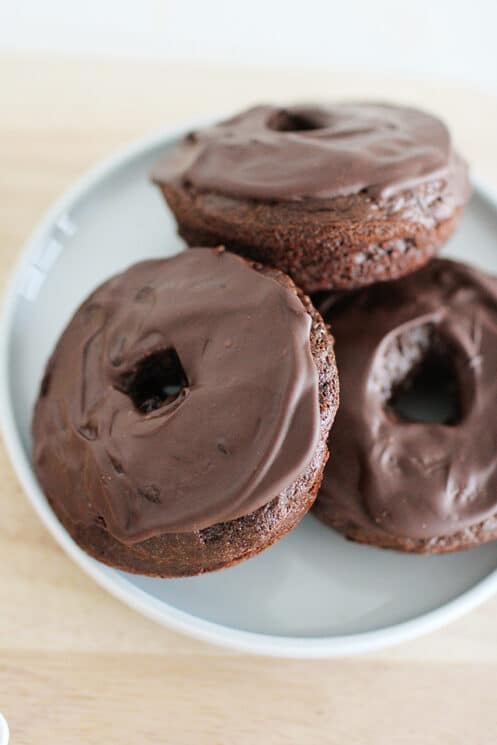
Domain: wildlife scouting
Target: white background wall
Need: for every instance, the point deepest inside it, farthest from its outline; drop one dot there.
(454, 39)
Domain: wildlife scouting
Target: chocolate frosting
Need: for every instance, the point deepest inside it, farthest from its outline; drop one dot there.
(182, 394)
(318, 152)
(411, 479)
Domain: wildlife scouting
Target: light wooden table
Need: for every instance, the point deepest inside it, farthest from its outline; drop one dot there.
(76, 666)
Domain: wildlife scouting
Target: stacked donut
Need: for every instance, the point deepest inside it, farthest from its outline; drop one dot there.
(183, 423)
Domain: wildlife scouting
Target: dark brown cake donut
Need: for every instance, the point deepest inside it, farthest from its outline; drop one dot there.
(182, 422)
(416, 471)
(337, 196)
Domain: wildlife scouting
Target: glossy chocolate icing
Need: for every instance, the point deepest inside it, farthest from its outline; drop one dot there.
(227, 348)
(319, 152)
(418, 480)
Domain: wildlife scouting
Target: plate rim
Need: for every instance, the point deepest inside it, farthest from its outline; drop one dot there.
(271, 645)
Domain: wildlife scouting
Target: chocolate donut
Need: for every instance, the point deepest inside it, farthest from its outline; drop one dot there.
(181, 425)
(414, 463)
(337, 196)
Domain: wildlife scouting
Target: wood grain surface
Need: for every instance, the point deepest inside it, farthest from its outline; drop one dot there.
(76, 666)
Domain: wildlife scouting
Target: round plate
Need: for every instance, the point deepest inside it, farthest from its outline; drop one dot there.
(311, 595)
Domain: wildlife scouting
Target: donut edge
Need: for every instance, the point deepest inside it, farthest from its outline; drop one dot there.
(319, 248)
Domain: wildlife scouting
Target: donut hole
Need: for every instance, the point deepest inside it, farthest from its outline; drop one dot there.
(429, 392)
(156, 381)
(291, 121)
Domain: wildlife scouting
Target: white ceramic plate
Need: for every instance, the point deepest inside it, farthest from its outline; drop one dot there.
(311, 595)
(4, 731)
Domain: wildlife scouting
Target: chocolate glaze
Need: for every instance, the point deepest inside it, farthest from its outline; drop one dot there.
(319, 152)
(418, 480)
(241, 417)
